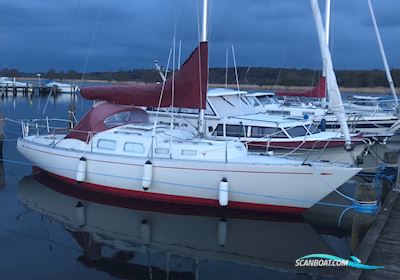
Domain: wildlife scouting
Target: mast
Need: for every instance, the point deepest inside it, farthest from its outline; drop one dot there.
(382, 50)
(335, 98)
(203, 39)
(327, 37)
(327, 20)
(204, 21)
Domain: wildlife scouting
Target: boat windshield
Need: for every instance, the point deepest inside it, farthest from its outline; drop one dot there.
(313, 129)
(266, 100)
(297, 131)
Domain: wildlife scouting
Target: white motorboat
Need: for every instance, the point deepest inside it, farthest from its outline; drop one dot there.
(8, 82)
(63, 87)
(115, 150)
(362, 114)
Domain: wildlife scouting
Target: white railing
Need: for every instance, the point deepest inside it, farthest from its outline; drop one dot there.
(44, 126)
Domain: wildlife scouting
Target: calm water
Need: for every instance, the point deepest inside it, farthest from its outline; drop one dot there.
(42, 237)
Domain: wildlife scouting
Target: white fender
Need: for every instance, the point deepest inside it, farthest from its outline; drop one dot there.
(80, 214)
(147, 175)
(223, 192)
(222, 232)
(81, 170)
(26, 130)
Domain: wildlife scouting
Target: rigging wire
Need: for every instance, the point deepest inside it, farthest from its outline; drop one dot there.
(62, 53)
(92, 41)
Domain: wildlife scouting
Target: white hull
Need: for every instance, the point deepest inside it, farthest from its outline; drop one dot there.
(67, 89)
(251, 185)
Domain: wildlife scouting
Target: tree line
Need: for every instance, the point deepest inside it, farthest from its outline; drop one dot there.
(261, 76)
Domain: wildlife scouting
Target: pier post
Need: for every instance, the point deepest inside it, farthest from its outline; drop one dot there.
(1, 135)
(391, 161)
(361, 221)
(2, 174)
(72, 110)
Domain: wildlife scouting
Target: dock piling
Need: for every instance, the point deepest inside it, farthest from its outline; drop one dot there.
(362, 221)
(391, 161)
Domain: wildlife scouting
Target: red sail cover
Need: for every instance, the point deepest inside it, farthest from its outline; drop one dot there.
(190, 87)
(94, 119)
(319, 91)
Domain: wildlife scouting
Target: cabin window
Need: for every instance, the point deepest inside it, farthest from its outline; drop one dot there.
(189, 152)
(219, 131)
(105, 144)
(236, 130)
(297, 131)
(162, 151)
(131, 147)
(312, 128)
(267, 132)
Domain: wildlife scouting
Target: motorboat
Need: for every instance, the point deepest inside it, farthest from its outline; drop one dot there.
(114, 149)
(63, 87)
(363, 114)
(11, 84)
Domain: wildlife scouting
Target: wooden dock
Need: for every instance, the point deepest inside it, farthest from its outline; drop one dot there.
(381, 245)
(386, 251)
(6, 91)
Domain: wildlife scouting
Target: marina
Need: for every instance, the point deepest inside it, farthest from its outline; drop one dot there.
(173, 178)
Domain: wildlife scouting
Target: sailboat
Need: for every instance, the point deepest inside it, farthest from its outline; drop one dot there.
(115, 150)
(378, 119)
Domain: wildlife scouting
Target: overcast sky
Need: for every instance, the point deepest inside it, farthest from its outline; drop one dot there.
(98, 35)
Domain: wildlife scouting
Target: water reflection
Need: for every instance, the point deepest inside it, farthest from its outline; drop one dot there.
(130, 240)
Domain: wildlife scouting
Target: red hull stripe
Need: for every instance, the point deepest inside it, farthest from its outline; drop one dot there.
(175, 199)
(185, 168)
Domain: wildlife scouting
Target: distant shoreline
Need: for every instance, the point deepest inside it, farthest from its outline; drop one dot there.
(365, 90)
